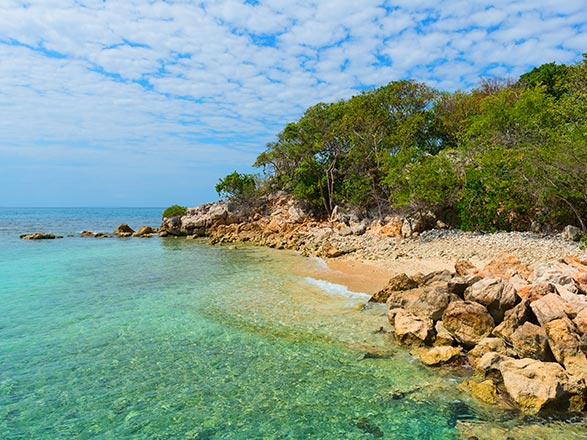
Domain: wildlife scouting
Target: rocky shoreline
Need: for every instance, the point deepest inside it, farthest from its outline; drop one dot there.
(514, 307)
(511, 306)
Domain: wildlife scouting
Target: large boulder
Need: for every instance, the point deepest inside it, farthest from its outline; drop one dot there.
(495, 294)
(144, 231)
(513, 319)
(487, 345)
(459, 284)
(565, 344)
(438, 355)
(581, 321)
(468, 322)
(413, 330)
(465, 268)
(529, 341)
(574, 303)
(549, 308)
(532, 292)
(398, 283)
(428, 301)
(506, 266)
(534, 386)
(123, 230)
(558, 273)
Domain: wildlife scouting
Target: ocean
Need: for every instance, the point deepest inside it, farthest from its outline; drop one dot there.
(163, 338)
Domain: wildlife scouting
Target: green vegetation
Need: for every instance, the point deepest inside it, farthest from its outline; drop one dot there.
(507, 155)
(174, 211)
(237, 186)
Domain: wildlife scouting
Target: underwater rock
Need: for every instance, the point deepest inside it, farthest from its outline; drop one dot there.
(39, 236)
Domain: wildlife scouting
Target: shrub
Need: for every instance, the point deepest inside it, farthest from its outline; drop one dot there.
(174, 211)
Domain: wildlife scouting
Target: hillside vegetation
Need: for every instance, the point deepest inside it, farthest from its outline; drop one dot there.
(507, 155)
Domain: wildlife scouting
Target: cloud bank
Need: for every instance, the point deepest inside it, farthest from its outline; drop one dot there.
(137, 102)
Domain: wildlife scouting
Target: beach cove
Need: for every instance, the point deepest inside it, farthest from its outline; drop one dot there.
(173, 338)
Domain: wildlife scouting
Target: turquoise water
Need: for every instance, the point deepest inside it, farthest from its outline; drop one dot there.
(171, 338)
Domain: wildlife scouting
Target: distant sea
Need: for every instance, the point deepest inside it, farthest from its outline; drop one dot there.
(151, 338)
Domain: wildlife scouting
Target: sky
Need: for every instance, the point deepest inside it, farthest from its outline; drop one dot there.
(150, 102)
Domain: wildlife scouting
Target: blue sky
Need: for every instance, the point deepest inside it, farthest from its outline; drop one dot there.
(149, 103)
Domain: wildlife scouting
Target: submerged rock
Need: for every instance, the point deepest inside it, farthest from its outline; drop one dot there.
(39, 236)
(413, 330)
(437, 355)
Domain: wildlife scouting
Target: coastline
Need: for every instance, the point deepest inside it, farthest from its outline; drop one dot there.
(510, 306)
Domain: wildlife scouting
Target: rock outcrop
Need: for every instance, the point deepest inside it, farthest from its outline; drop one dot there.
(40, 236)
(529, 349)
(123, 230)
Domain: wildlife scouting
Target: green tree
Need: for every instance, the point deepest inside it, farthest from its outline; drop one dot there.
(237, 186)
(551, 75)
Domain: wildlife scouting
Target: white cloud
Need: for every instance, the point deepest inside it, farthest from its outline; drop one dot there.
(172, 81)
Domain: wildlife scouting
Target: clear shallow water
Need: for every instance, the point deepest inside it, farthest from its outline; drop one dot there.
(168, 338)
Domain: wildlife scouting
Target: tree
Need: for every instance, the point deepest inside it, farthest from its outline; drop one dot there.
(237, 186)
(552, 76)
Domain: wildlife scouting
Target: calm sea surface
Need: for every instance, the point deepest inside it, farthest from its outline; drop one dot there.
(168, 338)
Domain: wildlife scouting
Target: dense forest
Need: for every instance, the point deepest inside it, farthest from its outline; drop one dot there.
(506, 155)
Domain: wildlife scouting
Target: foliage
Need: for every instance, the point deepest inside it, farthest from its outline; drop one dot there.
(174, 211)
(504, 155)
(552, 76)
(236, 185)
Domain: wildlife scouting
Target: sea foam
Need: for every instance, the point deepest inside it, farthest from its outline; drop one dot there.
(335, 289)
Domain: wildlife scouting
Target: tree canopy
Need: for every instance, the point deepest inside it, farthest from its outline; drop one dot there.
(507, 155)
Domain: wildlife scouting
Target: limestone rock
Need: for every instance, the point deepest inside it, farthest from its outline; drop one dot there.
(580, 321)
(506, 266)
(559, 273)
(398, 283)
(548, 308)
(576, 263)
(413, 330)
(565, 345)
(429, 301)
(533, 292)
(513, 319)
(443, 336)
(495, 294)
(458, 285)
(534, 385)
(437, 355)
(433, 300)
(487, 345)
(87, 234)
(468, 322)
(485, 391)
(123, 230)
(529, 341)
(573, 303)
(465, 268)
(392, 313)
(144, 230)
(39, 236)
(433, 277)
(571, 233)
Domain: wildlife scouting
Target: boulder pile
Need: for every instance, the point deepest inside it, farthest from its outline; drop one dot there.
(523, 329)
